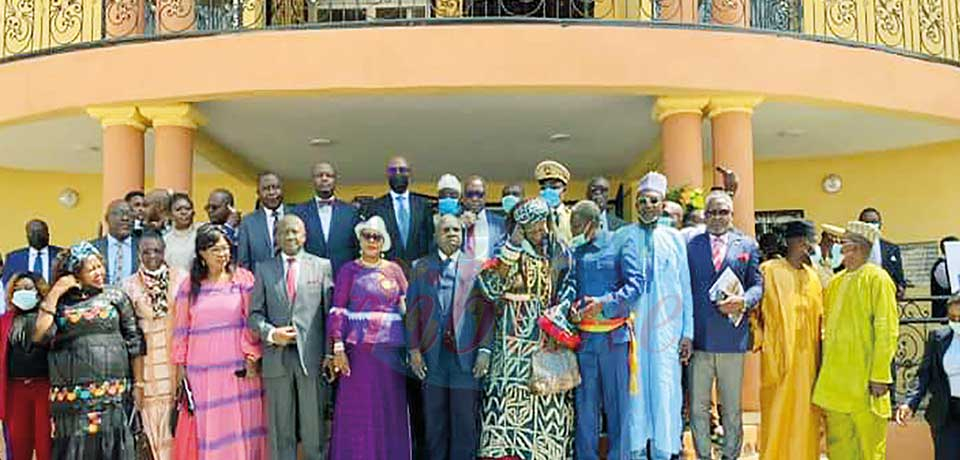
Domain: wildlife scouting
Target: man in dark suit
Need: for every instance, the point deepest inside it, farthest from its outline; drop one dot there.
(484, 231)
(137, 201)
(288, 310)
(408, 217)
(119, 248)
(889, 253)
(255, 237)
(329, 221)
(443, 337)
(37, 257)
(721, 334)
(598, 191)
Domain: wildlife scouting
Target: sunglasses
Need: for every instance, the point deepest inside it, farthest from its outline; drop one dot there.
(397, 170)
(717, 213)
(370, 236)
(649, 201)
(474, 194)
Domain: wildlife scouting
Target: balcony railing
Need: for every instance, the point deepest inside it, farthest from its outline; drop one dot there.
(922, 28)
(915, 325)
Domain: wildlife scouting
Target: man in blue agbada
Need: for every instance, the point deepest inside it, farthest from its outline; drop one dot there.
(663, 330)
(599, 292)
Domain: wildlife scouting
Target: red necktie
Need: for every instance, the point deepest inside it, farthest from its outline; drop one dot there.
(718, 252)
(291, 280)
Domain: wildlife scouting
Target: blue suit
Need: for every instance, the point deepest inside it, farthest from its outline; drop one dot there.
(18, 261)
(340, 246)
(608, 268)
(103, 246)
(253, 239)
(712, 331)
(442, 323)
(496, 229)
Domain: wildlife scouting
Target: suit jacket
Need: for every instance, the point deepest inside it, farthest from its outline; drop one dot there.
(341, 245)
(426, 319)
(102, 246)
(420, 234)
(713, 331)
(19, 261)
(253, 239)
(270, 308)
(496, 229)
(932, 378)
(892, 263)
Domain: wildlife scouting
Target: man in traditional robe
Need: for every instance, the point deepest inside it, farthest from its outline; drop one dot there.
(663, 330)
(790, 317)
(599, 291)
(859, 343)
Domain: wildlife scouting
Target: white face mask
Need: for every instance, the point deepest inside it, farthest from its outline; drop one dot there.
(955, 325)
(25, 299)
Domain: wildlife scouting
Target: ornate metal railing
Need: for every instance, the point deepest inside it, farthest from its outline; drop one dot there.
(915, 325)
(926, 28)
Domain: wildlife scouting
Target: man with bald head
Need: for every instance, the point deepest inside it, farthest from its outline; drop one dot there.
(37, 257)
(291, 325)
(408, 216)
(598, 191)
(329, 221)
(157, 212)
(119, 247)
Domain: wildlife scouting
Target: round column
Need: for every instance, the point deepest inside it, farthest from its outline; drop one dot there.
(122, 151)
(174, 128)
(681, 139)
(732, 129)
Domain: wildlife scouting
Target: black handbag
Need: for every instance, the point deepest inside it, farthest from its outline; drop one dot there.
(140, 440)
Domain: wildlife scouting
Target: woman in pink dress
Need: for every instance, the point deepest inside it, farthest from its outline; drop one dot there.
(217, 353)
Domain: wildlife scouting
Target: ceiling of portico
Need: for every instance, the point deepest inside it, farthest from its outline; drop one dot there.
(499, 135)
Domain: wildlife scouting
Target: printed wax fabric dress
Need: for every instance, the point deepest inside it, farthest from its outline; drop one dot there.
(93, 338)
(515, 422)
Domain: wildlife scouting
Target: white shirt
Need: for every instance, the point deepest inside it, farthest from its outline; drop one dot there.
(876, 255)
(272, 222)
(481, 236)
(326, 216)
(951, 365)
(284, 258)
(455, 256)
(405, 196)
(44, 261)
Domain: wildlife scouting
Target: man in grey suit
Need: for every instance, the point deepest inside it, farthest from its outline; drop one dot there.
(288, 310)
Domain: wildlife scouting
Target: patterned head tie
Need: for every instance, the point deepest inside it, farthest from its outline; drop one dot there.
(530, 211)
(79, 253)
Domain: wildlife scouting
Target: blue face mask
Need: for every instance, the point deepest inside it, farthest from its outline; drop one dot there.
(449, 206)
(551, 196)
(816, 258)
(508, 202)
(25, 299)
(836, 255)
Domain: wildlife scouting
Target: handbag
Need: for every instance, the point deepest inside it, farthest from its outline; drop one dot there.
(141, 442)
(554, 371)
(183, 423)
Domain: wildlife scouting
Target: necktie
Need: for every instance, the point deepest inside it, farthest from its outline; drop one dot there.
(403, 219)
(471, 239)
(719, 251)
(274, 215)
(38, 264)
(118, 273)
(291, 280)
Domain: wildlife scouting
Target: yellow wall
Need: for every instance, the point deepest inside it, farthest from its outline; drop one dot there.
(914, 188)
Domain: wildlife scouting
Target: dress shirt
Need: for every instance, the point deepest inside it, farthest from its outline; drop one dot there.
(876, 255)
(44, 261)
(481, 235)
(724, 242)
(603, 220)
(951, 366)
(325, 212)
(272, 222)
(405, 196)
(285, 264)
(118, 273)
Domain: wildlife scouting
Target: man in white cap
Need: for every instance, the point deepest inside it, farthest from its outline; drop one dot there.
(449, 190)
(663, 329)
(860, 330)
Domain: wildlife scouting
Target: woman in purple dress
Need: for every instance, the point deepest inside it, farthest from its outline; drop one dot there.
(365, 326)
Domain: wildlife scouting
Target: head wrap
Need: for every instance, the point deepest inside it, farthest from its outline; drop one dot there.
(550, 169)
(449, 181)
(530, 211)
(374, 224)
(653, 182)
(79, 253)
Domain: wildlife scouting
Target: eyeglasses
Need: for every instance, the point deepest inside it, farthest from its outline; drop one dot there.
(649, 201)
(398, 170)
(474, 194)
(717, 213)
(220, 249)
(371, 236)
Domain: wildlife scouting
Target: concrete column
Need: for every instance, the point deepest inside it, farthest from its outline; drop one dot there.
(174, 128)
(122, 150)
(681, 139)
